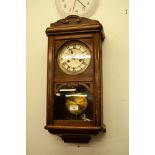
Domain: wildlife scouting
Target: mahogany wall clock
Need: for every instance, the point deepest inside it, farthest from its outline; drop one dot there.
(74, 78)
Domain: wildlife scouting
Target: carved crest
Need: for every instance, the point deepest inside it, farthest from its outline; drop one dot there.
(69, 19)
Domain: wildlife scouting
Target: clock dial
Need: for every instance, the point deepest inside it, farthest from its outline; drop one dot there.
(76, 7)
(73, 58)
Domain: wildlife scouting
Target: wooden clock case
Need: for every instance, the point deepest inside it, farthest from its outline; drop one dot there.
(89, 32)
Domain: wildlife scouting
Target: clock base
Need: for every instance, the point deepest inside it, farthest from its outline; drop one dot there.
(75, 138)
(75, 134)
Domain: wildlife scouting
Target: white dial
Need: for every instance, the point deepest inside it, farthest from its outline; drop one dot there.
(76, 7)
(74, 57)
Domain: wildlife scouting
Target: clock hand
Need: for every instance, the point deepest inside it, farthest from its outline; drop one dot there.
(81, 3)
(74, 5)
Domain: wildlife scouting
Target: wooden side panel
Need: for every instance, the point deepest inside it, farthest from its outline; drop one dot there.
(98, 73)
(50, 77)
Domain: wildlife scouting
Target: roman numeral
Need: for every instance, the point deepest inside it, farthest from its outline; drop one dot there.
(68, 67)
(74, 46)
(64, 63)
(84, 51)
(84, 63)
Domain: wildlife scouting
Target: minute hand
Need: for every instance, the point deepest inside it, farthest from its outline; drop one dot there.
(81, 3)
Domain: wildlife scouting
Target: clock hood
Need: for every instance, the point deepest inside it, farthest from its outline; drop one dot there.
(74, 24)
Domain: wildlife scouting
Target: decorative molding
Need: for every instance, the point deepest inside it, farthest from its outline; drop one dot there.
(73, 19)
(74, 24)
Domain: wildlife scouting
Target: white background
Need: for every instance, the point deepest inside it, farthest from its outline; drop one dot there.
(13, 87)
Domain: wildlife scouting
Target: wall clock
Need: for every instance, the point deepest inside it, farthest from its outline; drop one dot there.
(74, 79)
(76, 7)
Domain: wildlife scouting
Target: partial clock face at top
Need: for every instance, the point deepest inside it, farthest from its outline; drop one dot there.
(74, 57)
(76, 7)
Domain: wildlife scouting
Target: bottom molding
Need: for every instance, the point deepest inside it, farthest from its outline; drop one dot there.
(75, 134)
